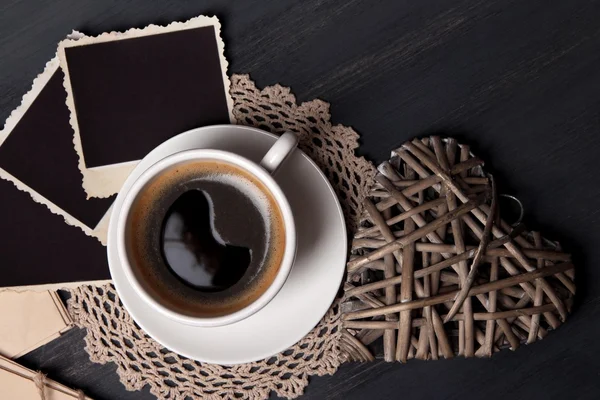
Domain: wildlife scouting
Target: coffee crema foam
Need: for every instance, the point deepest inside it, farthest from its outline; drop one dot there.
(243, 213)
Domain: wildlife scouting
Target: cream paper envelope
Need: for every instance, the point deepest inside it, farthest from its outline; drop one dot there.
(30, 320)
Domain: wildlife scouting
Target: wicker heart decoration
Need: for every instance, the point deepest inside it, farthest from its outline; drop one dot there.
(437, 272)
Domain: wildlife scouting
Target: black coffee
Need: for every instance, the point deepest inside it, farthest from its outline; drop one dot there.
(205, 238)
(197, 239)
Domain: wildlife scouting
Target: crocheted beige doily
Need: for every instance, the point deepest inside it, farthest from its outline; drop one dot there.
(112, 336)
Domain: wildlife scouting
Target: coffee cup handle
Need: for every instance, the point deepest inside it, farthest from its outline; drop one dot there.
(279, 152)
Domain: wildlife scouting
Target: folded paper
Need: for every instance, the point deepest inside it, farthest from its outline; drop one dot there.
(30, 320)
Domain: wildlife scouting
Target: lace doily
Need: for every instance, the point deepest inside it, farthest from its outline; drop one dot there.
(112, 336)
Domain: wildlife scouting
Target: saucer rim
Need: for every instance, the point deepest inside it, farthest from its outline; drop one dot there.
(258, 356)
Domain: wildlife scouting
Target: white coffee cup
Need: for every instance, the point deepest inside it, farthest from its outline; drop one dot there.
(262, 171)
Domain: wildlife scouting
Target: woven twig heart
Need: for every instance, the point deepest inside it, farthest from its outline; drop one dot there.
(437, 273)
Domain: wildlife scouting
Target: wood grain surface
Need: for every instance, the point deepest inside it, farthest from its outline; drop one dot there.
(520, 80)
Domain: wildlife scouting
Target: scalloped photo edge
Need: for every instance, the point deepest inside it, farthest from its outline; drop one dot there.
(100, 230)
(107, 180)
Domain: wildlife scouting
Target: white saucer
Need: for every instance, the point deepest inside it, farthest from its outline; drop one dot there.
(311, 286)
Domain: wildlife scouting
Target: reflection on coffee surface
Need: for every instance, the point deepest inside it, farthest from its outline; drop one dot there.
(205, 238)
(194, 249)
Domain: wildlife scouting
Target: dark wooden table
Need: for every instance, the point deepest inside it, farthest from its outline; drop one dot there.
(520, 80)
